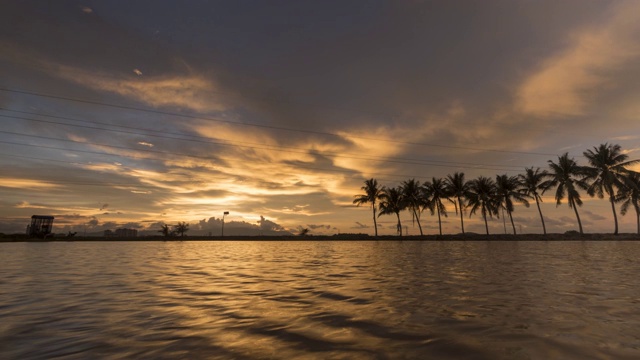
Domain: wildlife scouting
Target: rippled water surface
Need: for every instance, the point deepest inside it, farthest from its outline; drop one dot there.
(320, 300)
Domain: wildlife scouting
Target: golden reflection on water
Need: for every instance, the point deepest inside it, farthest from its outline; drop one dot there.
(320, 300)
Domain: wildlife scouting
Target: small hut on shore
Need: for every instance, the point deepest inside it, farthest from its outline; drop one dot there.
(41, 226)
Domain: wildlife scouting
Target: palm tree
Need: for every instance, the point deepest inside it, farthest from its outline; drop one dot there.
(414, 199)
(372, 192)
(458, 189)
(165, 230)
(483, 195)
(606, 171)
(507, 188)
(182, 228)
(567, 176)
(436, 191)
(533, 184)
(629, 195)
(392, 202)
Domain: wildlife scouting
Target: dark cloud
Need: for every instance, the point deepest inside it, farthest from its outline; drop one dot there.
(320, 226)
(361, 226)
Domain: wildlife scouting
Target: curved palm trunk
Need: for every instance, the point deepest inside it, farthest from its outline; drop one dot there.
(575, 208)
(484, 215)
(439, 222)
(615, 217)
(461, 217)
(375, 224)
(512, 224)
(417, 217)
(544, 228)
(399, 224)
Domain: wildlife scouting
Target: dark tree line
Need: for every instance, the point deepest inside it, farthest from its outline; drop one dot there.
(606, 174)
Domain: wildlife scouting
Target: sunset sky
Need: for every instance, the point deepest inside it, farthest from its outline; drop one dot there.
(136, 113)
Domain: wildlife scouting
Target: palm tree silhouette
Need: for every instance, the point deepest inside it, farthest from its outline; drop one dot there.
(414, 199)
(534, 183)
(507, 190)
(629, 195)
(435, 192)
(392, 202)
(165, 230)
(372, 192)
(606, 171)
(567, 176)
(458, 188)
(483, 195)
(182, 228)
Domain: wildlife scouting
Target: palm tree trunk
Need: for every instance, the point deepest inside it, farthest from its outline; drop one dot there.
(575, 208)
(375, 224)
(544, 228)
(504, 221)
(512, 224)
(615, 217)
(461, 217)
(484, 215)
(417, 217)
(439, 221)
(399, 225)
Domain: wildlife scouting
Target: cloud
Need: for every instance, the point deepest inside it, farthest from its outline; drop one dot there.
(565, 83)
(593, 216)
(182, 91)
(25, 184)
(320, 226)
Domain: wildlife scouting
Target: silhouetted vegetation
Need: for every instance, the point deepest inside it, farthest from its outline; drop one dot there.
(371, 195)
(181, 228)
(165, 230)
(606, 173)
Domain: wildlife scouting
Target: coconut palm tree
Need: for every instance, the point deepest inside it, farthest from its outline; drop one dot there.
(629, 195)
(606, 171)
(507, 190)
(567, 176)
(483, 195)
(165, 230)
(414, 199)
(534, 183)
(372, 192)
(182, 228)
(435, 192)
(458, 188)
(392, 202)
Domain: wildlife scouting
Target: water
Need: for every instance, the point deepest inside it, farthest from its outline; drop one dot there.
(320, 300)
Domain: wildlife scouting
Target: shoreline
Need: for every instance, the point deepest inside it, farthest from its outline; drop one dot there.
(569, 236)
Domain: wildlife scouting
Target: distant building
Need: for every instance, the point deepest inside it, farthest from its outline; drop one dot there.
(108, 233)
(126, 232)
(41, 225)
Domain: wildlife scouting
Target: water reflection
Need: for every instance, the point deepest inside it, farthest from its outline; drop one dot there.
(320, 300)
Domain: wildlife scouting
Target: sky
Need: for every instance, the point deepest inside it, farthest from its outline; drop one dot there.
(138, 113)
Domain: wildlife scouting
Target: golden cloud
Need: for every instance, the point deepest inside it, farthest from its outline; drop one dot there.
(564, 83)
(184, 91)
(25, 183)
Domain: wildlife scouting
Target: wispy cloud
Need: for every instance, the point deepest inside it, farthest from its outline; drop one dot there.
(191, 92)
(25, 183)
(565, 82)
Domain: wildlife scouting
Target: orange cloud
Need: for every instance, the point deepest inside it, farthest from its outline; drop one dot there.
(565, 82)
